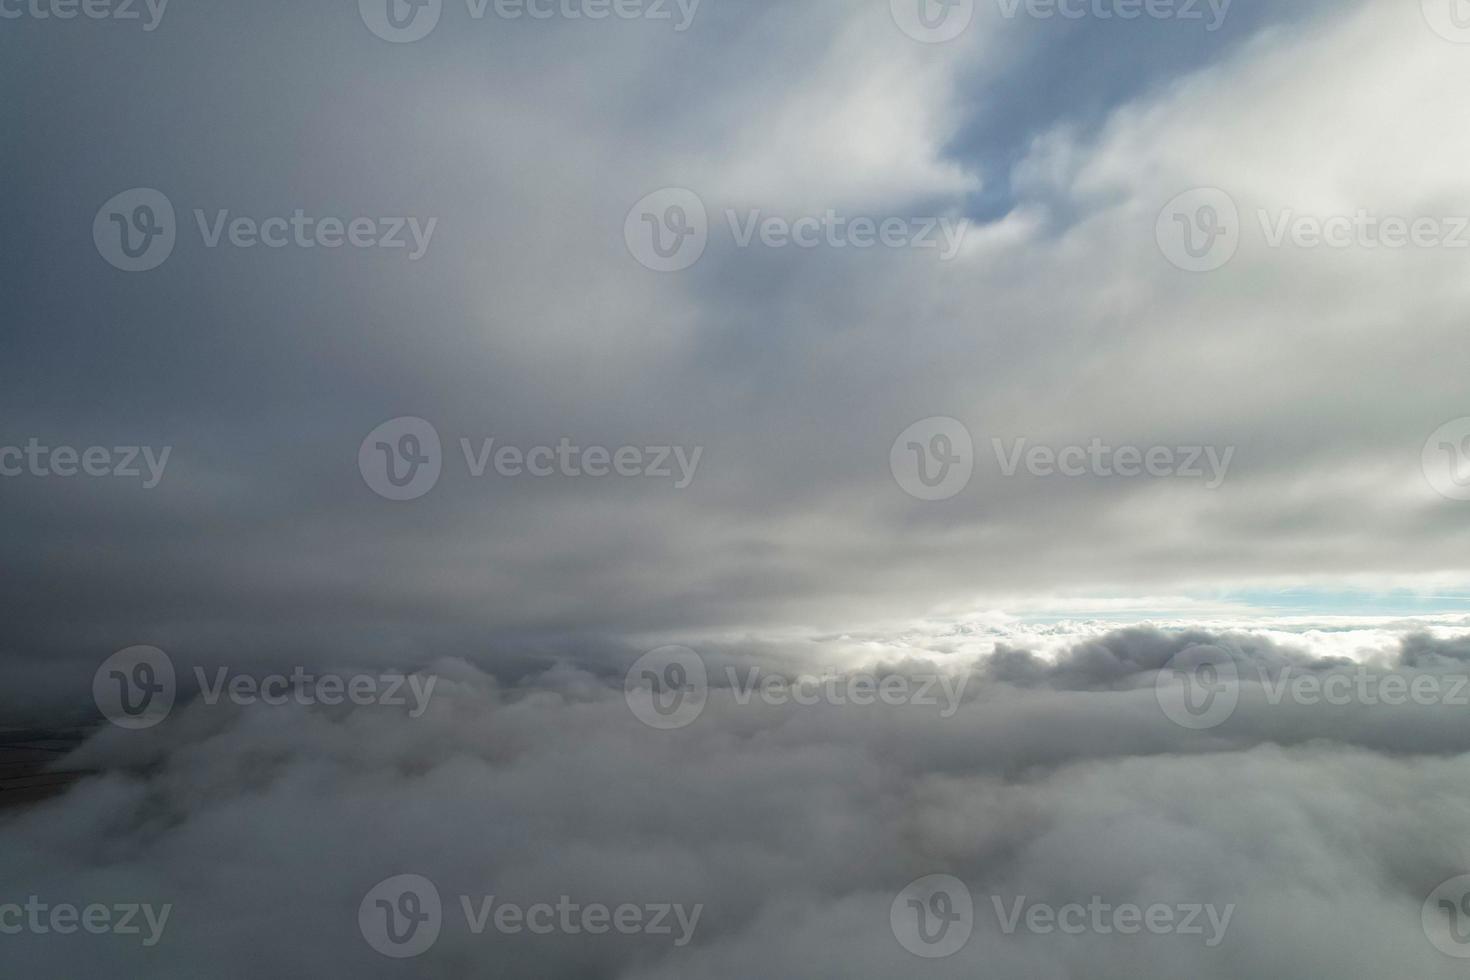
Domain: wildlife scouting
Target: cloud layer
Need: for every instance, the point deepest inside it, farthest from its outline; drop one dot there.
(1059, 780)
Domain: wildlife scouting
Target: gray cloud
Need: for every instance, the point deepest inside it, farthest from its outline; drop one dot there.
(527, 321)
(794, 827)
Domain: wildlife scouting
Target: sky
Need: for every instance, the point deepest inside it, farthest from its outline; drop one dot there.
(840, 335)
(527, 320)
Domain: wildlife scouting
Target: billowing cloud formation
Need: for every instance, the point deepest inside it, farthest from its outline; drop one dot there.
(1323, 828)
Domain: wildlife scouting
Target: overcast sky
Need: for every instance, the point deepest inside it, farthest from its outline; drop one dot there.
(1058, 320)
(1040, 352)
